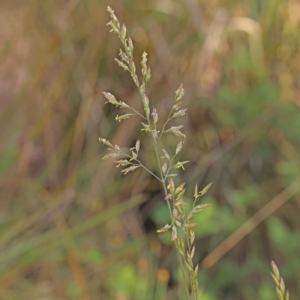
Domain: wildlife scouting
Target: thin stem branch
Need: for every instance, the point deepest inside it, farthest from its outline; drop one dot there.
(137, 112)
(162, 131)
(149, 171)
(142, 165)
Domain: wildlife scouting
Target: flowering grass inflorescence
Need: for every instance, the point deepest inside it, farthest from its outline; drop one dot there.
(181, 214)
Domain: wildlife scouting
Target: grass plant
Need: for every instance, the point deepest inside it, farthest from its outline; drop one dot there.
(181, 214)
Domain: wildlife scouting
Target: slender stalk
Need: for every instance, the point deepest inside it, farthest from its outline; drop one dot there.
(137, 113)
(142, 165)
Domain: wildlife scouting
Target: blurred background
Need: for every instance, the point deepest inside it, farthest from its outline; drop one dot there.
(72, 226)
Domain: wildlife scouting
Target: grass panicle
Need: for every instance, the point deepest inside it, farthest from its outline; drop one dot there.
(181, 216)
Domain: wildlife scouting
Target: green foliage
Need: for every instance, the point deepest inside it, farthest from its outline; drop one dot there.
(7, 158)
(125, 280)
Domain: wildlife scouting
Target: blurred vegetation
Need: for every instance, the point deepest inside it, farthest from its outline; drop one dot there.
(71, 226)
